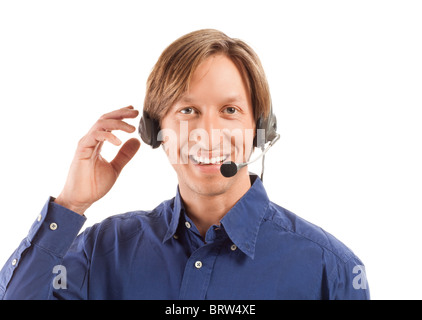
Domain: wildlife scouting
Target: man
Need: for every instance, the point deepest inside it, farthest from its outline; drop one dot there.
(219, 238)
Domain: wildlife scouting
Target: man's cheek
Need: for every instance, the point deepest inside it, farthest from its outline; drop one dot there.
(241, 143)
(170, 144)
(249, 138)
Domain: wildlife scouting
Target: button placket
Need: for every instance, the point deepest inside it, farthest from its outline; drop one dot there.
(198, 271)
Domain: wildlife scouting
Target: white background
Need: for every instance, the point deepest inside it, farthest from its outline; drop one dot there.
(346, 80)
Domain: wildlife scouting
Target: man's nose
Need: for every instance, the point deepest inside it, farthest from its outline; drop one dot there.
(210, 123)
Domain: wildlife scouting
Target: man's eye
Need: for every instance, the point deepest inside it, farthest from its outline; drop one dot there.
(187, 110)
(230, 110)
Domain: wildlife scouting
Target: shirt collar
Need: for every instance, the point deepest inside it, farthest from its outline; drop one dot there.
(177, 209)
(241, 223)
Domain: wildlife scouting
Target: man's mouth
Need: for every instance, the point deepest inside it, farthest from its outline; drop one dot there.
(208, 161)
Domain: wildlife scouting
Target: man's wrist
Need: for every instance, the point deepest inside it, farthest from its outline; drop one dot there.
(79, 209)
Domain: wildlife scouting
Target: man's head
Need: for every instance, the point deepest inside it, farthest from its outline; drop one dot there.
(171, 75)
(206, 92)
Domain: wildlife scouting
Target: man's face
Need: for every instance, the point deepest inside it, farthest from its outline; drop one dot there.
(213, 122)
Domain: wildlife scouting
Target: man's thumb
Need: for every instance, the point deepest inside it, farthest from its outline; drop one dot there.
(125, 154)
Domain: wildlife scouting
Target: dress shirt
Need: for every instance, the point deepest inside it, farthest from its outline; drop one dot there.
(258, 251)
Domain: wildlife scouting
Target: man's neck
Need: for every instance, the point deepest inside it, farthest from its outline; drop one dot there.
(208, 210)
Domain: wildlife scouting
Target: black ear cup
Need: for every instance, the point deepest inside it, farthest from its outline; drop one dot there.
(148, 130)
(269, 125)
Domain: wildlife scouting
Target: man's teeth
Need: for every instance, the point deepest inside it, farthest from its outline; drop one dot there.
(213, 160)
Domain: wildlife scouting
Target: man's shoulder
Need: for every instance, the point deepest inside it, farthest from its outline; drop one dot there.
(299, 229)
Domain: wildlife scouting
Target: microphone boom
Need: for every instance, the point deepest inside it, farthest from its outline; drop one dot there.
(229, 169)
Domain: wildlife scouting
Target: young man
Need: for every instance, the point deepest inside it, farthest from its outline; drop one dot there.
(219, 238)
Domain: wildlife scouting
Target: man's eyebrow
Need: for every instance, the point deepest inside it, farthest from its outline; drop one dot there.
(234, 98)
(187, 99)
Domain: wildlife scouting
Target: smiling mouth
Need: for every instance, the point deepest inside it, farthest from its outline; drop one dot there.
(208, 161)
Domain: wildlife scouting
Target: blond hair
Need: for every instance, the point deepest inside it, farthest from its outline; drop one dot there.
(171, 75)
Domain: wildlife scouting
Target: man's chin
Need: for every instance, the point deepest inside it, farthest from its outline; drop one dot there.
(206, 184)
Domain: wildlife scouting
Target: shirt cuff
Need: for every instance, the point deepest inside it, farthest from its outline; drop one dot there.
(55, 228)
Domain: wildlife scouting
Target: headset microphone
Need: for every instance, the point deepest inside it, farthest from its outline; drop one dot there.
(230, 168)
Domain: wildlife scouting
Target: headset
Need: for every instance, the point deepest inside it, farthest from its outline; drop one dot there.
(149, 129)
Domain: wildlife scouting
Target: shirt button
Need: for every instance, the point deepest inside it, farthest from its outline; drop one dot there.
(187, 224)
(233, 247)
(198, 264)
(14, 262)
(176, 236)
(39, 218)
(53, 226)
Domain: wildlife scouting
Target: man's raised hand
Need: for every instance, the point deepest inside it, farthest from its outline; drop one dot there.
(91, 176)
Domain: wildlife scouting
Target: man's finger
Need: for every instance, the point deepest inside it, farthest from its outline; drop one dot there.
(122, 113)
(92, 139)
(112, 124)
(92, 143)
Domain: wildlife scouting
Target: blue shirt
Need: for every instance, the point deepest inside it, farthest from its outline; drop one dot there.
(259, 251)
